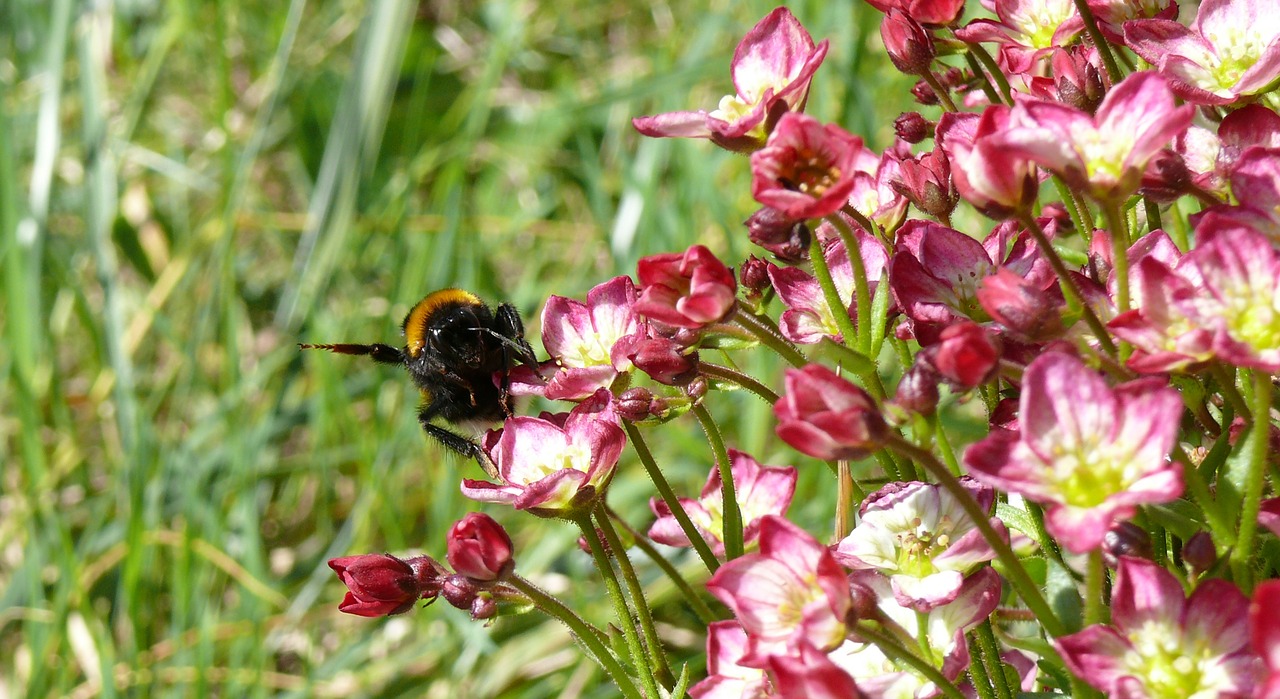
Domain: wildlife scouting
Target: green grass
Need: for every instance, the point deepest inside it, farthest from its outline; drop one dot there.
(189, 189)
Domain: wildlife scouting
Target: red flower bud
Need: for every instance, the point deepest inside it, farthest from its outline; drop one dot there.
(1199, 552)
(825, 416)
(379, 584)
(663, 360)
(785, 237)
(480, 548)
(685, 290)
(910, 47)
(1125, 539)
(755, 275)
(460, 591)
(1028, 313)
(966, 355)
(912, 127)
(918, 390)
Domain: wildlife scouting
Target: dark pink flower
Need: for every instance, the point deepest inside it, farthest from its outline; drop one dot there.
(791, 591)
(1090, 452)
(553, 465)
(479, 548)
(761, 490)
(685, 290)
(585, 340)
(930, 12)
(1104, 154)
(996, 182)
(827, 417)
(664, 360)
(1162, 644)
(806, 169)
(1026, 312)
(379, 584)
(926, 182)
(1113, 14)
(727, 678)
(1264, 632)
(1231, 50)
(808, 673)
(771, 68)
(966, 355)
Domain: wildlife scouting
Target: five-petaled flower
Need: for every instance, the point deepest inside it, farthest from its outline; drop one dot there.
(1091, 452)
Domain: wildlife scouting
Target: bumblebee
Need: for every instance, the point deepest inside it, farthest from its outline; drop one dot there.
(459, 352)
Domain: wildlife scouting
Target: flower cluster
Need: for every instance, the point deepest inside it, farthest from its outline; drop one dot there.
(1032, 374)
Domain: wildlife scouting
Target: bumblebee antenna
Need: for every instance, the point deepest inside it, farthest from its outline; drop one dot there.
(383, 354)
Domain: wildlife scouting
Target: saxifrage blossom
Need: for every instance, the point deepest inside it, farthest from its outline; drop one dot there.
(806, 169)
(1092, 453)
(588, 342)
(1163, 645)
(685, 290)
(827, 417)
(772, 68)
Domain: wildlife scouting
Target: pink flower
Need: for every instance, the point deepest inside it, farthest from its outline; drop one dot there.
(554, 465)
(1113, 14)
(926, 181)
(874, 194)
(379, 584)
(1220, 300)
(1162, 644)
(1231, 50)
(1026, 30)
(827, 417)
(1264, 631)
(588, 342)
(909, 46)
(771, 68)
(1027, 313)
(966, 355)
(806, 169)
(808, 673)
(1104, 154)
(919, 536)
(689, 290)
(789, 592)
(1092, 453)
(808, 318)
(761, 490)
(996, 182)
(480, 548)
(726, 677)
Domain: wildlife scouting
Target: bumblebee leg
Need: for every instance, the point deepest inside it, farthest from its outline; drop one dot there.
(457, 443)
(511, 328)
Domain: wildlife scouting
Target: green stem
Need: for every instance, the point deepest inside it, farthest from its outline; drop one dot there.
(899, 653)
(662, 669)
(839, 311)
(634, 646)
(1047, 543)
(943, 95)
(859, 364)
(1095, 580)
(1073, 207)
(1222, 530)
(700, 608)
(978, 673)
(1227, 386)
(769, 337)
(1119, 253)
(996, 74)
(844, 499)
(861, 290)
(732, 534)
(991, 653)
(1069, 288)
(669, 497)
(724, 373)
(1099, 42)
(944, 445)
(1014, 570)
(587, 635)
(1259, 438)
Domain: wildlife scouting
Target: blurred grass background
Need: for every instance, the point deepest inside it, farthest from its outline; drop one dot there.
(187, 189)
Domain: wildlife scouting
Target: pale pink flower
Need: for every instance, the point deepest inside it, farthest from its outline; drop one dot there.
(1162, 644)
(791, 591)
(726, 678)
(587, 342)
(555, 465)
(808, 318)
(1026, 30)
(874, 194)
(1111, 15)
(808, 673)
(1231, 50)
(1090, 452)
(996, 182)
(1104, 154)
(806, 169)
(761, 490)
(919, 536)
(772, 68)
(1264, 631)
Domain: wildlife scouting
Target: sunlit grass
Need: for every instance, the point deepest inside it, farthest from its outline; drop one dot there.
(188, 189)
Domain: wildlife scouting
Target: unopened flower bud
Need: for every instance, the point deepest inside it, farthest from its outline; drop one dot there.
(697, 388)
(912, 127)
(909, 46)
(460, 591)
(966, 355)
(479, 548)
(1166, 177)
(785, 237)
(380, 584)
(827, 417)
(918, 391)
(484, 607)
(1125, 539)
(954, 77)
(755, 275)
(1199, 552)
(1029, 314)
(665, 361)
(926, 182)
(924, 94)
(634, 404)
